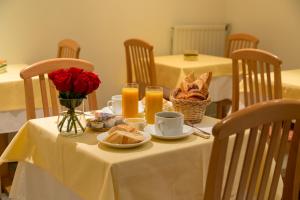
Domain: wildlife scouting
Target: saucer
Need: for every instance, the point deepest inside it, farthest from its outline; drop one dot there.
(101, 138)
(187, 130)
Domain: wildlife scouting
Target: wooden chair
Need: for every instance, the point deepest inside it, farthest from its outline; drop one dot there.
(41, 69)
(68, 48)
(259, 153)
(259, 84)
(140, 63)
(235, 42)
(239, 41)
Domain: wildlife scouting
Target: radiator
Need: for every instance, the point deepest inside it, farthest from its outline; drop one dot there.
(206, 39)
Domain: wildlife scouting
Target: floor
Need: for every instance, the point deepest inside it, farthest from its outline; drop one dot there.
(4, 197)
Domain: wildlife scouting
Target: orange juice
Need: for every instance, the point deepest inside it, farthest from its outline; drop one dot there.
(130, 99)
(154, 104)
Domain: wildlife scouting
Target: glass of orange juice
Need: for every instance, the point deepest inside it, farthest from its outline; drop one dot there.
(130, 100)
(154, 102)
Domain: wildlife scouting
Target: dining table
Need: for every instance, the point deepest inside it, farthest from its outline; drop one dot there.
(52, 166)
(173, 68)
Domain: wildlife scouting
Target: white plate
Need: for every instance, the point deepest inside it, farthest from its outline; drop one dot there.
(187, 130)
(101, 137)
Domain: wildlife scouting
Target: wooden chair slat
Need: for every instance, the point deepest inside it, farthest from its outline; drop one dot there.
(262, 79)
(29, 99)
(216, 175)
(233, 165)
(244, 74)
(279, 159)
(256, 84)
(247, 162)
(257, 161)
(250, 82)
(44, 95)
(268, 161)
(235, 81)
(269, 81)
(53, 97)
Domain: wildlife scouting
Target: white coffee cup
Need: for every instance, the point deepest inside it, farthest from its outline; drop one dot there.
(115, 104)
(169, 123)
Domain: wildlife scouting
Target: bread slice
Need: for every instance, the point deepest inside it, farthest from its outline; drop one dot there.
(123, 127)
(123, 137)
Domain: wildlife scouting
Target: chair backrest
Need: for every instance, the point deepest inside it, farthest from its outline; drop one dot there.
(254, 152)
(40, 70)
(239, 41)
(140, 62)
(261, 76)
(68, 48)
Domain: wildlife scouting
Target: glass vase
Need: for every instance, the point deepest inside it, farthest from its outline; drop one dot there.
(71, 119)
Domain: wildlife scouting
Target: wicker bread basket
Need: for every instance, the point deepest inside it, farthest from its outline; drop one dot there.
(193, 110)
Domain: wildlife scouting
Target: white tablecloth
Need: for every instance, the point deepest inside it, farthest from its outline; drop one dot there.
(33, 183)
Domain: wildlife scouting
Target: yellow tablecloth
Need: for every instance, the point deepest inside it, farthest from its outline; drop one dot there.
(291, 83)
(97, 172)
(167, 170)
(172, 69)
(12, 89)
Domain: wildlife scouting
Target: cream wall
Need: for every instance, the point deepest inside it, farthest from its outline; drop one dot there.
(31, 29)
(275, 22)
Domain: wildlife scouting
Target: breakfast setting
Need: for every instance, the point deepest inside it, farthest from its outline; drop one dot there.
(128, 122)
(203, 115)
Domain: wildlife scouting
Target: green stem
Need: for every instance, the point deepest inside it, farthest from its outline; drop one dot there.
(72, 119)
(74, 122)
(69, 121)
(79, 123)
(61, 123)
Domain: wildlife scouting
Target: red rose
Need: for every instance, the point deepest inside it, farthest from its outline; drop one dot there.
(94, 81)
(75, 72)
(81, 84)
(61, 79)
(86, 83)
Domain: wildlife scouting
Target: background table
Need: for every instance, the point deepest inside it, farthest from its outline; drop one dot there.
(172, 69)
(12, 106)
(166, 170)
(12, 101)
(291, 83)
(290, 80)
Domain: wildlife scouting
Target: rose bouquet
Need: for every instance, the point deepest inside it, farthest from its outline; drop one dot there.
(74, 85)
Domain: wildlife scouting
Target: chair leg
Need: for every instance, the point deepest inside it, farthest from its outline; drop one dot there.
(223, 108)
(219, 109)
